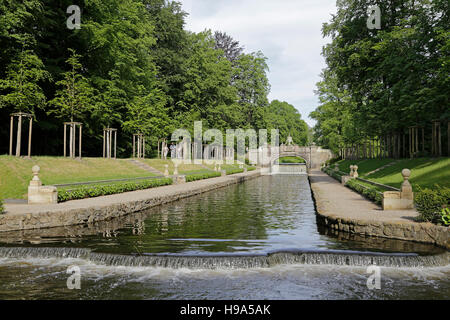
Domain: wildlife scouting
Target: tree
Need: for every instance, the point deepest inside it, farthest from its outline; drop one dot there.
(286, 118)
(380, 82)
(75, 97)
(147, 115)
(21, 90)
(250, 80)
(230, 47)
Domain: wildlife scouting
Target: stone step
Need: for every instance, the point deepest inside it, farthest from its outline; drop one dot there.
(382, 168)
(146, 167)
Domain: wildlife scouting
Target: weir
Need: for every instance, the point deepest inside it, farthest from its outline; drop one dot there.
(289, 168)
(238, 261)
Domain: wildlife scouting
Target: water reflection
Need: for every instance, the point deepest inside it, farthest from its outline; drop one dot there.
(261, 215)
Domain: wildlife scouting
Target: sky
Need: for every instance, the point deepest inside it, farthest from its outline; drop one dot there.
(288, 32)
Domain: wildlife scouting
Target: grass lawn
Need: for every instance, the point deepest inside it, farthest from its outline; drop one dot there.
(15, 173)
(158, 164)
(228, 167)
(425, 172)
(364, 166)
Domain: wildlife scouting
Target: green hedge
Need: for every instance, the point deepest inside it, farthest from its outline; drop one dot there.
(251, 168)
(103, 190)
(201, 176)
(430, 203)
(332, 173)
(234, 170)
(369, 193)
(2, 210)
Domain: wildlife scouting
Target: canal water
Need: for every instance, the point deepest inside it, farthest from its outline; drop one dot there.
(254, 240)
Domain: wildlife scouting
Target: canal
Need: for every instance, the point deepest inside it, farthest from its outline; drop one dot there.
(254, 240)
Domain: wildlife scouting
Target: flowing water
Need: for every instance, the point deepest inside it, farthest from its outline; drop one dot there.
(255, 240)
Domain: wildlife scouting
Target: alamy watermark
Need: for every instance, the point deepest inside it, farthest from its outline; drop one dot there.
(74, 20)
(374, 280)
(374, 17)
(214, 146)
(74, 280)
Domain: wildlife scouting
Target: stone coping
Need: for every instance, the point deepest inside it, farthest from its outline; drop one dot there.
(341, 209)
(76, 212)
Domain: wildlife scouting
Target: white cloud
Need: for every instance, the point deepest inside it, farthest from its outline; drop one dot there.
(288, 32)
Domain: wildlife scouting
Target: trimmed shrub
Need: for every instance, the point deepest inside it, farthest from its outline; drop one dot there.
(201, 176)
(234, 170)
(332, 173)
(2, 210)
(103, 190)
(431, 202)
(251, 168)
(369, 193)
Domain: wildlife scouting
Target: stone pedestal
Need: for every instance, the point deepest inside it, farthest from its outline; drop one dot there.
(403, 200)
(166, 170)
(39, 194)
(224, 173)
(179, 179)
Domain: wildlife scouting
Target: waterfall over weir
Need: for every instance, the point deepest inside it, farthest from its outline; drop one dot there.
(309, 257)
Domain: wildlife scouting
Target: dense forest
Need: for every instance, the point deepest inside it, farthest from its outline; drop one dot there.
(133, 66)
(379, 83)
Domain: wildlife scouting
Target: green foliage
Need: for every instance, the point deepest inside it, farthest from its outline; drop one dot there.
(201, 176)
(234, 170)
(284, 117)
(20, 90)
(379, 82)
(431, 202)
(75, 96)
(103, 190)
(446, 216)
(332, 173)
(135, 69)
(2, 210)
(291, 160)
(332, 161)
(368, 192)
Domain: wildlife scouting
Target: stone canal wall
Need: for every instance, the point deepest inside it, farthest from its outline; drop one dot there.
(341, 209)
(77, 212)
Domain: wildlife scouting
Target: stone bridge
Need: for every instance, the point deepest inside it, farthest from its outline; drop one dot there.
(268, 156)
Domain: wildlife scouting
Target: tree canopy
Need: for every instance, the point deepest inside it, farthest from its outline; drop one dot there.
(380, 82)
(132, 66)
